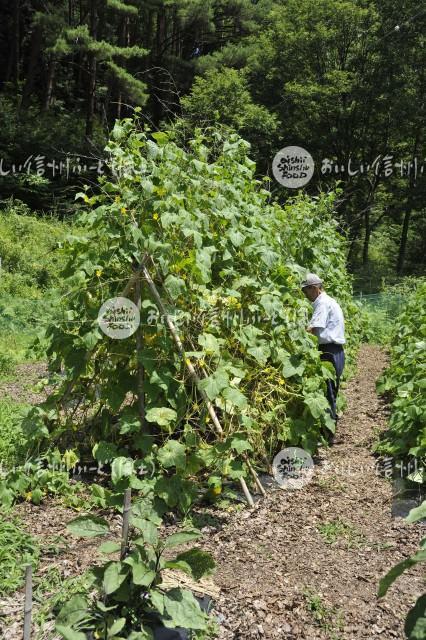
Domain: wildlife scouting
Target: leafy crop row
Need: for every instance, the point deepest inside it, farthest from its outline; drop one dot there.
(405, 381)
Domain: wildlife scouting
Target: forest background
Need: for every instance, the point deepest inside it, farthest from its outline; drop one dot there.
(342, 79)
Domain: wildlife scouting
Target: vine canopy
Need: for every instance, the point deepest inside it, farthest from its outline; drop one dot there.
(227, 261)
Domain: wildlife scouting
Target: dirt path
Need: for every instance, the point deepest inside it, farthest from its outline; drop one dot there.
(279, 576)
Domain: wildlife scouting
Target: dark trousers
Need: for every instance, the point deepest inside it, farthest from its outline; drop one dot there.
(333, 353)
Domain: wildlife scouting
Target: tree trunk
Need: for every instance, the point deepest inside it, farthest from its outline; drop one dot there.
(367, 236)
(403, 243)
(13, 63)
(123, 42)
(407, 216)
(51, 68)
(91, 85)
(33, 64)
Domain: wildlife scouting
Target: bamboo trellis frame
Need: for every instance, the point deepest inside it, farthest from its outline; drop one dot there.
(194, 375)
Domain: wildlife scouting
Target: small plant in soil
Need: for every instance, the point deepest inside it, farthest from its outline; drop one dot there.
(415, 622)
(336, 529)
(331, 483)
(131, 597)
(330, 619)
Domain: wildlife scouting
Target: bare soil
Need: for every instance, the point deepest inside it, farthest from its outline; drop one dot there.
(278, 575)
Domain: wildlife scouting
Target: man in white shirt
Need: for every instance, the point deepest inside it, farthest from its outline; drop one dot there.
(328, 325)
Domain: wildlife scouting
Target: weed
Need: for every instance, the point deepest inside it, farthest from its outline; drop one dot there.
(7, 364)
(331, 483)
(335, 529)
(330, 619)
(17, 548)
(11, 436)
(52, 591)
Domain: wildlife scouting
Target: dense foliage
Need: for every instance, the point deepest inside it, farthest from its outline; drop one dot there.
(343, 79)
(228, 262)
(415, 622)
(405, 381)
(29, 261)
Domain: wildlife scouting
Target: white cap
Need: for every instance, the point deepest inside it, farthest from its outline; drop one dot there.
(311, 279)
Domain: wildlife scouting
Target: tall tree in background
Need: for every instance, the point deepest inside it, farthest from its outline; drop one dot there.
(342, 78)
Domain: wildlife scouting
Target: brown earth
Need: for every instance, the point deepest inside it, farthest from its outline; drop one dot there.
(279, 577)
(23, 387)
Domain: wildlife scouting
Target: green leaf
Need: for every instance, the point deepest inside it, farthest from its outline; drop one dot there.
(161, 137)
(235, 396)
(163, 416)
(260, 353)
(144, 634)
(178, 565)
(418, 513)
(6, 495)
(91, 339)
(415, 623)
(36, 495)
(292, 366)
(236, 470)
(240, 443)
(209, 343)
(172, 454)
(175, 286)
(200, 562)
(176, 492)
(73, 611)
(183, 610)
(116, 627)
(88, 526)
(142, 575)
(104, 451)
(114, 576)
(215, 383)
(70, 634)
(148, 529)
(180, 538)
(121, 468)
(317, 404)
(398, 569)
(418, 476)
(157, 599)
(110, 547)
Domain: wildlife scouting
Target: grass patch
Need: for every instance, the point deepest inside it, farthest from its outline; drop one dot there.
(330, 619)
(52, 591)
(17, 548)
(11, 436)
(335, 530)
(331, 483)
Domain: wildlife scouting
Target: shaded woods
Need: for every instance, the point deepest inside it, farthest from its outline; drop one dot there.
(344, 80)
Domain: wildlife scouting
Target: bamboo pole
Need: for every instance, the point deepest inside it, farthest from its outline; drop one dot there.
(244, 456)
(28, 606)
(126, 522)
(141, 370)
(169, 323)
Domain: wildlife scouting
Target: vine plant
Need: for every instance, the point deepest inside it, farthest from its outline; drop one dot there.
(227, 260)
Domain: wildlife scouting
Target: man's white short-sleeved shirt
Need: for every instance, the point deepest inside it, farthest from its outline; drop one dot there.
(327, 320)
